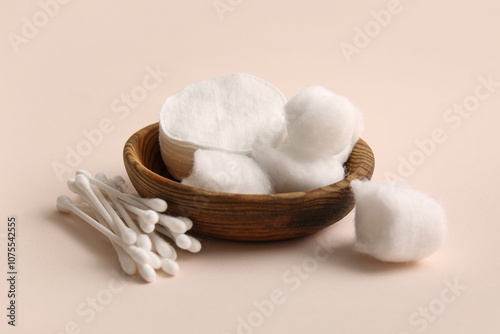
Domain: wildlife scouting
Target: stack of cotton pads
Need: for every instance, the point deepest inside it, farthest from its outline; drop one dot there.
(135, 226)
(229, 113)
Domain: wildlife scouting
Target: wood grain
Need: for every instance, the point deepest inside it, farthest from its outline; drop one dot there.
(238, 216)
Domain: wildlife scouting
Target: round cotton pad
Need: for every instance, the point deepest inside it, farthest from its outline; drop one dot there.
(321, 122)
(395, 223)
(227, 172)
(228, 113)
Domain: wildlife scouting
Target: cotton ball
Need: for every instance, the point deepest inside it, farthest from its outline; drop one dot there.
(395, 223)
(320, 122)
(344, 154)
(358, 129)
(227, 172)
(290, 171)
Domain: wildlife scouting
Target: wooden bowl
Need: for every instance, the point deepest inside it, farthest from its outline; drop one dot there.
(238, 216)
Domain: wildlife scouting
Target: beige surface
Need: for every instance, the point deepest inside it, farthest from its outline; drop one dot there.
(69, 75)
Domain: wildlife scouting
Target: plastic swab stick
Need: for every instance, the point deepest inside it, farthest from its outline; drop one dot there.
(156, 204)
(64, 204)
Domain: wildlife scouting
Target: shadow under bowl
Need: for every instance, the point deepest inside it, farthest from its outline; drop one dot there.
(240, 216)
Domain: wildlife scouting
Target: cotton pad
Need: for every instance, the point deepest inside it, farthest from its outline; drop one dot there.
(290, 171)
(395, 223)
(227, 113)
(227, 172)
(321, 122)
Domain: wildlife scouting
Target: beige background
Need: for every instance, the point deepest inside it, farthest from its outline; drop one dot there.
(64, 77)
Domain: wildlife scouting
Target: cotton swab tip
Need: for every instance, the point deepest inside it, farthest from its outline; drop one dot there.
(188, 222)
(119, 179)
(64, 204)
(150, 217)
(195, 245)
(174, 224)
(183, 241)
(154, 260)
(147, 272)
(83, 172)
(101, 177)
(156, 204)
(128, 236)
(144, 242)
(83, 182)
(169, 266)
(146, 228)
(73, 186)
(163, 248)
(126, 263)
(138, 254)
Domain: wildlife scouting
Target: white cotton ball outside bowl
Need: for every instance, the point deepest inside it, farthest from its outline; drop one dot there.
(395, 223)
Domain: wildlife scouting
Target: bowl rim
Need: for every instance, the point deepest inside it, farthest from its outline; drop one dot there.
(131, 150)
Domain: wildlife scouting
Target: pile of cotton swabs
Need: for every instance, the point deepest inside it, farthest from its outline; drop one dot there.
(135, 226)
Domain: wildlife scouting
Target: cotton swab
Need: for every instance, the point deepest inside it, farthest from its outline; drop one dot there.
(156, 204)
(105, 222)
(148, 217)
(65, 205)
(145, 215)
(181, 240)
(127, 264)
(169, 266)
(163, 248)
(154, 260)
(187, 221)
(195, 245)
(174, 224)
(102, 177)
(120, 182)
(143, 240)
(147, 262)
(147, 272)
(84, 188)
(126, 233)
(129, 221)
(145, 228)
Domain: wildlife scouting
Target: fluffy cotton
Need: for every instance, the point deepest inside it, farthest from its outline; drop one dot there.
(227, 172)
(290, 171)
(322, 124)
(395, 223)
(322, 129)
(358, 129)
(228, 113)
